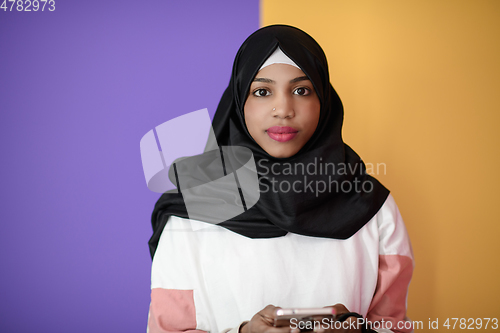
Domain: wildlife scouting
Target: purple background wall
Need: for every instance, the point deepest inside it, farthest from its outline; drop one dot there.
(79, 87)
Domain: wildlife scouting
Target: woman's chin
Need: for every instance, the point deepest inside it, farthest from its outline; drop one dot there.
(282, 151)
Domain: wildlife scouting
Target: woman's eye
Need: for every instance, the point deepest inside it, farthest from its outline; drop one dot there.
(301, 91)
(261, 92)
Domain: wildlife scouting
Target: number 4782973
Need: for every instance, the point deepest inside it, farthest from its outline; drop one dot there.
(28, 5)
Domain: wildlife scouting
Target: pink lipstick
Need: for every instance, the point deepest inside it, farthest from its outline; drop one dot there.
(281, 134)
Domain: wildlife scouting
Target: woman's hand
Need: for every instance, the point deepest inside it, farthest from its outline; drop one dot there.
(350, 325)
(263, 322)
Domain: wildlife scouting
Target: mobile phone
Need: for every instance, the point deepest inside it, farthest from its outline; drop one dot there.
(286, 317)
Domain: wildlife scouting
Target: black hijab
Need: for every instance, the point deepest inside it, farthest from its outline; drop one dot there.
(338, 212)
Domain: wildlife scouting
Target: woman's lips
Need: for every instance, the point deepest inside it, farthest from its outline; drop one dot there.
(281, 134)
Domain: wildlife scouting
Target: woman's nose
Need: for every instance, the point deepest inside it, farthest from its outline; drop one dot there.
(283, 108)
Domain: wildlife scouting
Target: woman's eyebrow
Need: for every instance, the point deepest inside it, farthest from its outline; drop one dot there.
(263, 79)
(300, 78)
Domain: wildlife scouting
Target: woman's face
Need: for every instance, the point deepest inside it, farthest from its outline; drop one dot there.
(282, 110)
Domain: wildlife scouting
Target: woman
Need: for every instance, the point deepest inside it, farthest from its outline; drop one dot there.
(323, 231)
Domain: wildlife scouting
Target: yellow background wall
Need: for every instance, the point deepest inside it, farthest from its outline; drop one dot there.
(420, 83)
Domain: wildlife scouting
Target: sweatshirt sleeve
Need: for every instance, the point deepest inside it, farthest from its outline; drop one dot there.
(176, 292)
(172, 311)
(387, 311)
